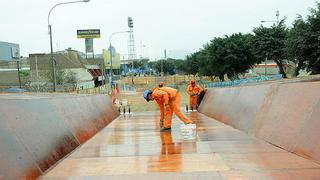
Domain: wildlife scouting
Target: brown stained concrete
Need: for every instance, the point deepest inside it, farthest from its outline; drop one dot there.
(133, 148)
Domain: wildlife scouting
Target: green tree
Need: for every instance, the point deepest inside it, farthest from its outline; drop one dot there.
(168, 67)
(240, 56)
(296, 43)
(179, 64)
(312, 41)
(62, 76)
(230, 55)
(152, 64)
(192, 64)
(271, 43)
(141, 64)
(70, 77)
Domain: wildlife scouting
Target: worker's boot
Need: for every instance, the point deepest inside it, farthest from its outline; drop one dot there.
(164, 129)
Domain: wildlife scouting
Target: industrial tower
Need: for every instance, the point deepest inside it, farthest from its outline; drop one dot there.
(131, 44)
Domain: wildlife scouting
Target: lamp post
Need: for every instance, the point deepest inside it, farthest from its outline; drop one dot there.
(269, 21)
(18, 65)
(53, 64)
(277, 21)
(266, 59)
(111, 54)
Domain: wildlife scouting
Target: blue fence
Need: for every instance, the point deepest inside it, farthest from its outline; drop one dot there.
(244, 81)
(127, 87)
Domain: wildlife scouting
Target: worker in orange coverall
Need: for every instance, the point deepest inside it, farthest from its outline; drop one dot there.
(168, 100)
(194, 91)
(161, 84)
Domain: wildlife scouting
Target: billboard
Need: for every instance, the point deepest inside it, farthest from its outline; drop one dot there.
(88, 33)
(15, 52)
(107, 60)
(9, 51)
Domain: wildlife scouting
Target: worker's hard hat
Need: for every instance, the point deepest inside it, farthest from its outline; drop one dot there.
(161, 84)
(146, 94)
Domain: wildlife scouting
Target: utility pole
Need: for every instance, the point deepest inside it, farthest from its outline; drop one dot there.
(53, 62)
(278, 22)
(278, 15)
(112, 53)
(161, 67)
(18, 64)
(141, 49)
(131, 46)
(103, 73)
(165, 57)
(37, 73)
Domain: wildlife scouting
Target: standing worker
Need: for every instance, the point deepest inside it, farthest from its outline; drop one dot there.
(168, 100)
(194, 91)
(161, 84)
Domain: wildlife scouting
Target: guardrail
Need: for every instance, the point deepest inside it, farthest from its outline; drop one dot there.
(124, 87)
(244, 81)
(98, 90)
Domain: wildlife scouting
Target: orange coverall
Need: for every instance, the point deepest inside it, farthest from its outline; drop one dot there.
(193, 92)
(169, 100)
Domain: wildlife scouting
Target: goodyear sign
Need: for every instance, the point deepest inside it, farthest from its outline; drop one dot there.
(88, 33)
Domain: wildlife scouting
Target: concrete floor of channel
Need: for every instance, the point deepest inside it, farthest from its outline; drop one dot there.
(134, 148)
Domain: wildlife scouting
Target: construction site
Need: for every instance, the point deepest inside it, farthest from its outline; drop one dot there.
(254, 131)
(214, 90)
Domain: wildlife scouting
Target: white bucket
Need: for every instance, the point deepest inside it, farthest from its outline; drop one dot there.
(188, 131)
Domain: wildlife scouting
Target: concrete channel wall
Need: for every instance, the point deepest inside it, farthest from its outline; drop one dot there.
(284, 114)
(38, 131)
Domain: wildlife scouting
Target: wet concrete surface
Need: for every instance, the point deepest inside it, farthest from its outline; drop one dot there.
(133, 148)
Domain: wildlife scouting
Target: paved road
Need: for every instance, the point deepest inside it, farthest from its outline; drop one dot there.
(133, 148)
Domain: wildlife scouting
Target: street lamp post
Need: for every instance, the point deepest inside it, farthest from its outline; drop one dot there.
(53, 63)
(277, 21)
(18, 65)
(111, 55)
(266, 59)
(269, 21)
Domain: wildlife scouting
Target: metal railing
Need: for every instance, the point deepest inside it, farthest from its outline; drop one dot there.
(98, 90)
(244, 81)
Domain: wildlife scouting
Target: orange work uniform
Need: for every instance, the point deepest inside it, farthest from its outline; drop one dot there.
(193, 92)
(169, 100)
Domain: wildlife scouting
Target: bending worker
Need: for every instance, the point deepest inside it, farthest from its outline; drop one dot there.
(168, 100)
(194, 91)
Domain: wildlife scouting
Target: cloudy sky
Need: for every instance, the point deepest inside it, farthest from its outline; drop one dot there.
(180, 26)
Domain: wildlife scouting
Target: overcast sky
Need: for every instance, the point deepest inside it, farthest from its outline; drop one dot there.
(180, 26)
